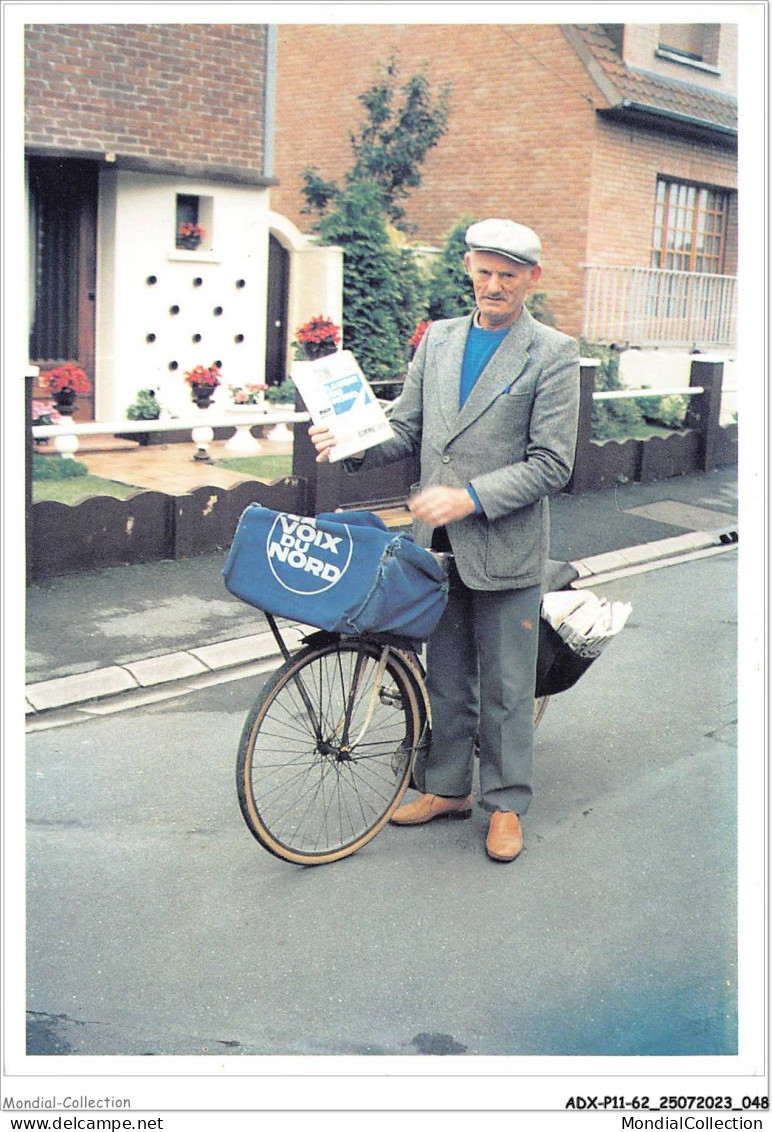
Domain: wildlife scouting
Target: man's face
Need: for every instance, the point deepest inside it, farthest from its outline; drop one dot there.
(500, 287)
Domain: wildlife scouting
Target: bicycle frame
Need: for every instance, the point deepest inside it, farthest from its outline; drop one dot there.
(410, 663)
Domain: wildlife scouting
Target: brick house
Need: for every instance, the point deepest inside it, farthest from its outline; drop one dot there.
(132, 130)
(617, 143)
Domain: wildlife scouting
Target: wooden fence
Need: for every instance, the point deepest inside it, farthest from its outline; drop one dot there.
(150, 525)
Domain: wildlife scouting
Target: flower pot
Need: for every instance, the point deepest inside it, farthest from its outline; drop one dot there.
(189, 243)
(202, 395)
(315, 350)
(65, 401)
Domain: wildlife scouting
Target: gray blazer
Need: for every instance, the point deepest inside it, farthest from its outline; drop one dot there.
(513, 440)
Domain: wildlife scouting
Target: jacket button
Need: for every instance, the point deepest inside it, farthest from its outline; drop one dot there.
(446, 459)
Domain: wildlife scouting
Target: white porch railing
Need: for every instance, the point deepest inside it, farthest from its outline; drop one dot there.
(202, 426)
(643, 306)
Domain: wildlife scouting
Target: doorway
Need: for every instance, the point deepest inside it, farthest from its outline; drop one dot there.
(276, 313)
(63, 219)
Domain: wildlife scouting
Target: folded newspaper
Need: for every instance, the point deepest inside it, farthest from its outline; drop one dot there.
(336, 394)
(584, 621)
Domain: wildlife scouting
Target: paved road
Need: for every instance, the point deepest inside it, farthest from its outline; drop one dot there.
(157, 925)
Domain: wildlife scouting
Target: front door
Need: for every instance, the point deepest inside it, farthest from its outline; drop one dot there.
(63, 217)
(276, 313)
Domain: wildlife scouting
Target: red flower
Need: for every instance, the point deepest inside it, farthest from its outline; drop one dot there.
(67, 376)
(203, 375)
(318, 330)
(187, 230)
(419, 332)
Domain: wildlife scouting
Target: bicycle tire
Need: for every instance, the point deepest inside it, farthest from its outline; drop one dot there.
(309, 794)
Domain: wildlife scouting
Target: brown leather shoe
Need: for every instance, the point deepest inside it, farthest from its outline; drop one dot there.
(505, 836)
(431, 806)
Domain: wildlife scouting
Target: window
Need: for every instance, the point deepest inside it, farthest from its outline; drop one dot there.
(689, 228)
(187, 209)
(690, 43)
(193, 221)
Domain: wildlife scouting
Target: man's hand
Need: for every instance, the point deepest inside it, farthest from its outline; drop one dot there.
(323, 440)
(440, 505)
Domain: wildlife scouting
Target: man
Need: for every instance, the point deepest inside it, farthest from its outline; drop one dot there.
(491, 402)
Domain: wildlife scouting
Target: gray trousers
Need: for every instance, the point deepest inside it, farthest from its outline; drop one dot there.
(481, 676)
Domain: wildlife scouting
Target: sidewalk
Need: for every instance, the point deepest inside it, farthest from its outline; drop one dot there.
(136, 631)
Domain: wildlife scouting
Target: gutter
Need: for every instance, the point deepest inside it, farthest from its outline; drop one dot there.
(269, 107)
(672, 115)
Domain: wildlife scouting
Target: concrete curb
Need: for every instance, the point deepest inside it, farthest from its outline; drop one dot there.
(149, 680)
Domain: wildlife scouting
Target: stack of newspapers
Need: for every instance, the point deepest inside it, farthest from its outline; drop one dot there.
(584, 621)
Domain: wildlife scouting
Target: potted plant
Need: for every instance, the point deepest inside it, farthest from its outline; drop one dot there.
(316, 338)
(65, 383)
(145, 408)
(253, 395)
(44, 413)
(282, 394)
(203, 380)
(189, 236)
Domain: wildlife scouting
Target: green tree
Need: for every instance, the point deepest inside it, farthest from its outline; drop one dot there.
(392, 143)
(383, 287)
(450, 288)
(373, 295)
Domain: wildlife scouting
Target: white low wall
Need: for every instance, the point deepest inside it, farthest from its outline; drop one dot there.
(669, 369)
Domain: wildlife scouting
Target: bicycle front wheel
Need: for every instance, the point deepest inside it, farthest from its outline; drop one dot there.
(325, 753)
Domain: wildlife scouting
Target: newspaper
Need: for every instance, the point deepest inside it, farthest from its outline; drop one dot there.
(586, 622)
(336, 394)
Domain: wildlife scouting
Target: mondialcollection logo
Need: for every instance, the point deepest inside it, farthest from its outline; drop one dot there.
(304, 558)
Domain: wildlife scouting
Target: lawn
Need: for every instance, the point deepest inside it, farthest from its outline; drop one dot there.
(67, 481)
(74, 490)
(266, 468)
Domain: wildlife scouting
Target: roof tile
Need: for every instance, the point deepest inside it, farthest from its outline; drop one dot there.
(650, 90)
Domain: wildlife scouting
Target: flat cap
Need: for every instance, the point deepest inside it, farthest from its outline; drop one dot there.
(505, 237)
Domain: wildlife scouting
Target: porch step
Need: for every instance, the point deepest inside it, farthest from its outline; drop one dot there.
(91, 444)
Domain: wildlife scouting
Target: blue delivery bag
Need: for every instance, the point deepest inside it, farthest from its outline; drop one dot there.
(343, 572)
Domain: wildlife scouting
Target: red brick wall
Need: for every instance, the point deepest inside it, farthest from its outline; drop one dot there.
(189, 92)
(518, 143)
(523, 141)
(627, 164)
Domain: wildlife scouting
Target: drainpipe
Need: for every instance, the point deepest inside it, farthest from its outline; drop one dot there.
(269, 109)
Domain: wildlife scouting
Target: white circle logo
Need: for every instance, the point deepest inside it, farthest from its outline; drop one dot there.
(305, 559)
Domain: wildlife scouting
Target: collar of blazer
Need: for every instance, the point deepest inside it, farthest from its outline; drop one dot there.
(501, 372)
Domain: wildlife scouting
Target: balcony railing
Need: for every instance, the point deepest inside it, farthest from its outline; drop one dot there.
(642, 306)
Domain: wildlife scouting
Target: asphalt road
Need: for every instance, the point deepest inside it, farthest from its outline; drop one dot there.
(157, 925)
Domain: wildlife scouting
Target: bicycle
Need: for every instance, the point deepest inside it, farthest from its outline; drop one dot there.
(332, 743)
(343, 726)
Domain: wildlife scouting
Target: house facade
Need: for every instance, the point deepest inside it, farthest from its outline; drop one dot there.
(134, 136)
(616, 143)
